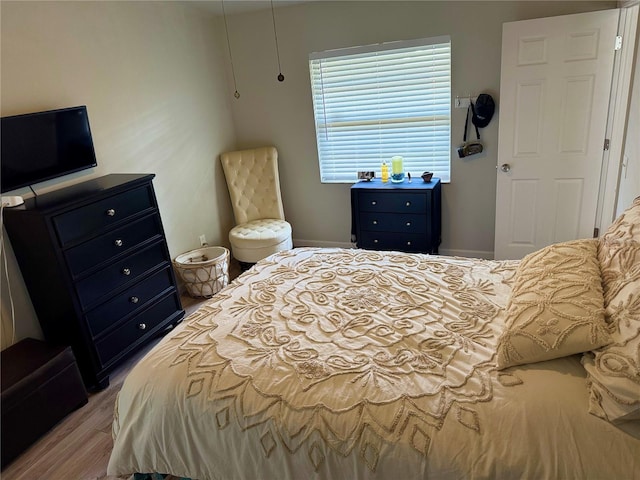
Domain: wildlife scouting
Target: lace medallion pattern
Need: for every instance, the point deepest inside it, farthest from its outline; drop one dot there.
(349, 349)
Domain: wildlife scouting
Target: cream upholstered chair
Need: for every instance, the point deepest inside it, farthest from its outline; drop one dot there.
(254, 188)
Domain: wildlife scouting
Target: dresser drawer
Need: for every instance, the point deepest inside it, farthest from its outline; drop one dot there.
(126, 303)
(85, 220)
(399, 202)
(405, 242)
(393, 222)
(110, 244)
(112, 345)
(123, 271)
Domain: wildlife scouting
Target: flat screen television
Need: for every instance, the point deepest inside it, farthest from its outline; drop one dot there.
(35, 147)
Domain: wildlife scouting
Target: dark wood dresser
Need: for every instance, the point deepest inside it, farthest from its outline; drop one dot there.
(397, 216)
(96, 264)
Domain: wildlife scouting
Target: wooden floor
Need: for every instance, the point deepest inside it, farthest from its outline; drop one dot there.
(78, 448)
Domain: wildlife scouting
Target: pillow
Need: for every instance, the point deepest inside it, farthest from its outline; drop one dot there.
(556, 305)
(614, 371)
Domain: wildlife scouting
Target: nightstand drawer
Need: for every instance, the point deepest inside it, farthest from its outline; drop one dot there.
(128, 302)
(125, 337)
(90, 218)
(392, 222)
(400, 202)
(111, 244)
(124, 271)
(405, 242)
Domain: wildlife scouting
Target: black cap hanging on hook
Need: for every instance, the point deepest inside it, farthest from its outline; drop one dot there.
(483, 110)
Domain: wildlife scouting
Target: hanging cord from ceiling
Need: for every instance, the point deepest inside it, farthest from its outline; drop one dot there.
(233, 72)
(275, 34)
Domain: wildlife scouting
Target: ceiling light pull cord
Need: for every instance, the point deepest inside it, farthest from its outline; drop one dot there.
(233, 72)
(275, 34)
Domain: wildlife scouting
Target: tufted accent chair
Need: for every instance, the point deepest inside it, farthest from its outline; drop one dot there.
(254, 188)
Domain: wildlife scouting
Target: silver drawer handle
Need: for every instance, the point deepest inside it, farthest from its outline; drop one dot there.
(409, 243)
(408, 204)
(408, 224)
(375, 241)
(374, 202)
(126, 271)
(118, 243)
(111, 212)
(134, 299)
(375, 222)
(142, 326)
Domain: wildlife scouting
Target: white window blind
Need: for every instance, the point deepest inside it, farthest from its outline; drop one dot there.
(372, 103)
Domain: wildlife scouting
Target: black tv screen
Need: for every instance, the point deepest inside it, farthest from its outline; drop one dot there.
(40, 146)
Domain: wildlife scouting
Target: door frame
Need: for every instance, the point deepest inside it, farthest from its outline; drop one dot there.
(617, 115)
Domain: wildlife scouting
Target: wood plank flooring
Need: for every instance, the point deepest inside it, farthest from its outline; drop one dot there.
(78, 447)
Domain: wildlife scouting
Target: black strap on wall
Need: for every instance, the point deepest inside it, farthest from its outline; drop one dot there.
(471, 110)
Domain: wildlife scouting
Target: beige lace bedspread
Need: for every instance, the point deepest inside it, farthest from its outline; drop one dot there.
(352, 364)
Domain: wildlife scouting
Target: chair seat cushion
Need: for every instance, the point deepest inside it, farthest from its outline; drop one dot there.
(260, 233)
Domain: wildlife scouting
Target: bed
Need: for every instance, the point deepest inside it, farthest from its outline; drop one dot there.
(354, 364)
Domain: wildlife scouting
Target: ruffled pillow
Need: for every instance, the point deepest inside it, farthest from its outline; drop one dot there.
(556, 305)
(614, 370)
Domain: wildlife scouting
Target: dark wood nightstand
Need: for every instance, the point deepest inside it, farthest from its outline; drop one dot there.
(397, 216)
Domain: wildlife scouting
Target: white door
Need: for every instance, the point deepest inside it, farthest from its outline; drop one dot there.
(554, 96)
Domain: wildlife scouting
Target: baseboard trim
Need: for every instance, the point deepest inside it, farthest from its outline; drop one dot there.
(298, 242)
(487, 255)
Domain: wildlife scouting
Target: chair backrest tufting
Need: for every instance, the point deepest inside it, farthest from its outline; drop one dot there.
(254, 184)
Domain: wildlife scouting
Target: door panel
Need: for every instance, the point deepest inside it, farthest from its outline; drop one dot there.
(567, 198)
(554, 95)
(524, 198)
(576, 113)
(528, 134)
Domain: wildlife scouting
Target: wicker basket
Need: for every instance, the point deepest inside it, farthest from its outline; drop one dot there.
(205, 271)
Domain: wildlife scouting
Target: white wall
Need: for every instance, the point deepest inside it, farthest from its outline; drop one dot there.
(269, 112)
(153, 77)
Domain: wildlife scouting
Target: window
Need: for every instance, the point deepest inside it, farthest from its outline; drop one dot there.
(372, 103)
